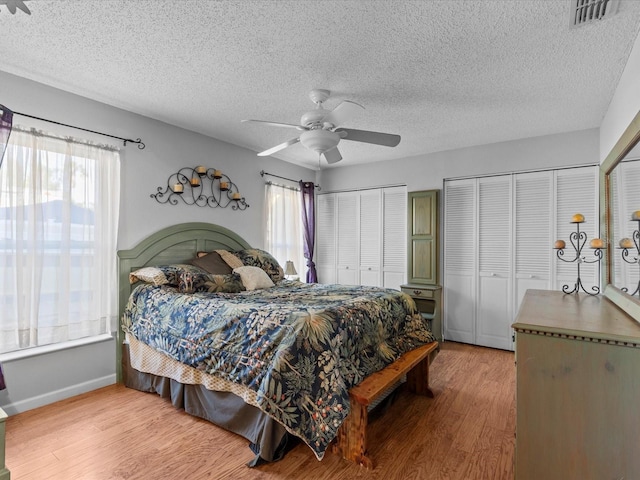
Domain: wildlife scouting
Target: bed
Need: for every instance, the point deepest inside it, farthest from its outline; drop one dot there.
(273, 364)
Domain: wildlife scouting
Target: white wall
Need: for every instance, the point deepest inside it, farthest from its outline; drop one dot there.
(427, 172)
(41, 379)
(624, 105)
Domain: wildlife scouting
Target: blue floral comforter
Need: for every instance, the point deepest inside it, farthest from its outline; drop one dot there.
(300, 347)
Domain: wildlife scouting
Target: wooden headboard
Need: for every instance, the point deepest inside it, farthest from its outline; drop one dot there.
(175, 244)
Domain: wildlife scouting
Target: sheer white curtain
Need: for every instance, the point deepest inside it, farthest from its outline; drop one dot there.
(59, 204)
(283, 235)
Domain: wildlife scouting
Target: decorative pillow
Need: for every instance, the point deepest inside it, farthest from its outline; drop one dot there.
(208, 282)
(163, 274)
(253, 278)
(212, 263)
(229, 258)
(259, 258)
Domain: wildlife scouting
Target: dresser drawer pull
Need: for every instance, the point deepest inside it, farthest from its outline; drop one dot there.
(417, 292)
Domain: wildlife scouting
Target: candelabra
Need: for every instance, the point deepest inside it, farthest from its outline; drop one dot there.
(578, 240)
(626, 244)
(201, 186)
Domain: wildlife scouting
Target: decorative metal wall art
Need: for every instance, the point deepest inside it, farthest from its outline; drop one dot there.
(201, 186)
(627, 244)
(578, 240)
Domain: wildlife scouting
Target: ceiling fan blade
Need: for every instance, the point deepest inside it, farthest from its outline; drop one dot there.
(332, 155)
(277, 124)
(342, 113)
(20, 4)
(277, 148)
(377, 138)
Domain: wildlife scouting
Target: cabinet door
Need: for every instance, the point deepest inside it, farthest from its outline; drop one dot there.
(533, 195)
(326, 238)
(370, 216)
(460, 260)
(493, 320)
(348, 238)
(394, 237)
(423, 237)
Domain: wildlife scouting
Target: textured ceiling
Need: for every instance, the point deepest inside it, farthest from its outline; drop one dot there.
(442, 74)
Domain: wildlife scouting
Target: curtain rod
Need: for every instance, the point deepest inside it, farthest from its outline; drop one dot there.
(138, 141)
(263, 173)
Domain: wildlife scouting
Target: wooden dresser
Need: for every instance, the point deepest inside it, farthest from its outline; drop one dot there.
(578, 389)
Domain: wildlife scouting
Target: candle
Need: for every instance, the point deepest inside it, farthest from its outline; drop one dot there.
(596, 243)
(178, 188)
(559, 244)
(224, 185)
(200, 170)
(195, 181)
(577, 218)
(635, 215)
(626, 243)
(236, 196)
(217, 174)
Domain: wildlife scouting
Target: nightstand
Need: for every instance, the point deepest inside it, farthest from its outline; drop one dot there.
(428, 299)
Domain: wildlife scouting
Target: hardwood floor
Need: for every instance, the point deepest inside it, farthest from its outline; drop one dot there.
(466, 432)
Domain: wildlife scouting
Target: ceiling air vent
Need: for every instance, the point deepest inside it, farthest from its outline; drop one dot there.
(589, 11)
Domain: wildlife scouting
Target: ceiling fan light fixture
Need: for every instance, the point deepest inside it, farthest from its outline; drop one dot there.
(319, 140)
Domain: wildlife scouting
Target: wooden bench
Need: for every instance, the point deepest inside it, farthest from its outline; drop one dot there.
(351, 441)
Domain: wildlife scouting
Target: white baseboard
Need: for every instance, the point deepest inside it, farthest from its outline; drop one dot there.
(57, 395)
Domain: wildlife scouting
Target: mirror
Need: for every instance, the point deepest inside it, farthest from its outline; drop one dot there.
(617, 222)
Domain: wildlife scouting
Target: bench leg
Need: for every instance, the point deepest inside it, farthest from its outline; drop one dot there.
(351, 441)
(418, 379)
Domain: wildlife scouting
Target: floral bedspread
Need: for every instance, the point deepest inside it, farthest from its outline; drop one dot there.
(300, 347)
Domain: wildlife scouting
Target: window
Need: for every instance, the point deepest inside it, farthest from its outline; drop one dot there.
(283, 226)
(59, 203)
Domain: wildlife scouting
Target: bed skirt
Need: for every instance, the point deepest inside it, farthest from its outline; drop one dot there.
(267, 438)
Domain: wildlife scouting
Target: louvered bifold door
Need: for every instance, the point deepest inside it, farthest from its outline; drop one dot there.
(370, 237)
(460, 253)
(348, 238)
(629, 175)
(533, 222)
(493, 318)
(394, 236)
(326, 238)
(576, 191)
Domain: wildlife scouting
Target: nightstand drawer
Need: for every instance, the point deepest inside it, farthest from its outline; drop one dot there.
(418, 292)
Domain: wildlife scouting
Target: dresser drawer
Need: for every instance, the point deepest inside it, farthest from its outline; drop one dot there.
(418, 292)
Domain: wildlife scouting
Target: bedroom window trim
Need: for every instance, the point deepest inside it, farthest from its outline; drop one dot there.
(54, 347)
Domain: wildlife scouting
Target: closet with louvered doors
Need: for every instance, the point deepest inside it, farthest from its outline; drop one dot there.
(361, 237)
(498, 242)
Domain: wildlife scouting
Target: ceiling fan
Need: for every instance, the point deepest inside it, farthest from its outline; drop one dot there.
(321, 131)
(13, 4)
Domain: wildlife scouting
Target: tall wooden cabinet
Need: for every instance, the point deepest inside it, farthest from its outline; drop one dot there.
(422, 222)
(422, 257)
(577, 388)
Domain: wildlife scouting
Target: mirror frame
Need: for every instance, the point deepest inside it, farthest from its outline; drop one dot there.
(623, 146)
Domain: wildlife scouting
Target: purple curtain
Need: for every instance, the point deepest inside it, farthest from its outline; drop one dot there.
(309, 225)
(6, 121)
